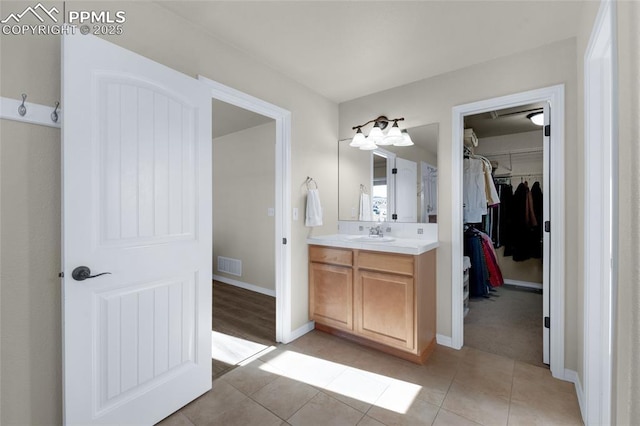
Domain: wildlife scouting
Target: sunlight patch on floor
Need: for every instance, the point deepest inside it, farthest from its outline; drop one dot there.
(354, 383)
(233, 350)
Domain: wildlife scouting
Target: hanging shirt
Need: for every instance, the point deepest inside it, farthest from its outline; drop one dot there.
(490, 188)
(474, 195)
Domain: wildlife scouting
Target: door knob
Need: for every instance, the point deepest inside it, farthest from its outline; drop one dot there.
(81, 273)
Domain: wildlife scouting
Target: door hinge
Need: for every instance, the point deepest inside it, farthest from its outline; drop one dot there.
(61, 275)
(547, 322)
(547, 226)
(394, 171)
(394, 216)
(284, 241)
(547, 130)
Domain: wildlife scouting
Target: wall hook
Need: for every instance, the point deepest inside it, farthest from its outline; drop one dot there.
(54, 114)
(22, 109)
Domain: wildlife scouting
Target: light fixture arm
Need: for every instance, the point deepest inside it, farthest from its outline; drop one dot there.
(381, 121)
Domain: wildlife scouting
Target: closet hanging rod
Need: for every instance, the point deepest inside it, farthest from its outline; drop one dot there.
(525, 151)
(512, 175)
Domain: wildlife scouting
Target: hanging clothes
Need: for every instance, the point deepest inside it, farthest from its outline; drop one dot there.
(537, 238)
(479, 191)
(491, 260)
(485, 272)
(474, 195)
(501, 221)
(523, 223)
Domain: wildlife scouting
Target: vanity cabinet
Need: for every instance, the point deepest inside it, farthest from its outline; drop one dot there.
(384, 300)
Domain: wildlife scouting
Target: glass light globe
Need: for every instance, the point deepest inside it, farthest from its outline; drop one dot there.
(406, 139)
(358, 140)
(394, 136)
(375, 135)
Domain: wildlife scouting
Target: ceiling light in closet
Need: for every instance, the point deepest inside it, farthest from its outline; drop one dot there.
(536, 118)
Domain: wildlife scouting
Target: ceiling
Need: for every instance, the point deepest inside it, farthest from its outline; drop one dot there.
(229, 118)
(348, 49)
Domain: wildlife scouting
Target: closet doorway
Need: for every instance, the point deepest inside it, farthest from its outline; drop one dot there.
(503, 237)
(553, 270)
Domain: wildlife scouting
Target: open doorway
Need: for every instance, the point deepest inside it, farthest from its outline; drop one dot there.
(554, 305)
(281, 148)
(504, 244)
(244, 278)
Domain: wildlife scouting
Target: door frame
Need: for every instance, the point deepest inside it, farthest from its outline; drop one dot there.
(282, 118)
(555, 96)
(600, 248)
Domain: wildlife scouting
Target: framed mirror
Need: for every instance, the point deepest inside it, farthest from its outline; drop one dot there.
(399, 183)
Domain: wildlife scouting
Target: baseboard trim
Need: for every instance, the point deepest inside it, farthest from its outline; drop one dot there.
(244, 285)
(572, 376)
(300, 331)
(443, 340)
(527, 284)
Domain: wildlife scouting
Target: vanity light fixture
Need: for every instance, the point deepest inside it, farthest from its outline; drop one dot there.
(395, 136)
(536, 118)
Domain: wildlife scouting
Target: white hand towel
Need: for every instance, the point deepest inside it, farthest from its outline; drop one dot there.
(365, 207)
(314, 209)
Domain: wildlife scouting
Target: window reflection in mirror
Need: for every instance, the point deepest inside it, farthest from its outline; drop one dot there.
(365, 169)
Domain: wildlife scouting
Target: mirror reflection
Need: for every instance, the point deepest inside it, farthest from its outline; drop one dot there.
(390, 183)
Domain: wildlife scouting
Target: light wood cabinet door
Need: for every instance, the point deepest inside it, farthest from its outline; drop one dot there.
(384, 308)
(331, 295)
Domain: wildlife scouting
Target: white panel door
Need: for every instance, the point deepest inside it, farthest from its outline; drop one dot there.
(137, 204)
(406, 190)
(546, 240)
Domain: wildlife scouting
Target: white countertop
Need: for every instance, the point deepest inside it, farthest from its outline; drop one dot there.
(362, 242)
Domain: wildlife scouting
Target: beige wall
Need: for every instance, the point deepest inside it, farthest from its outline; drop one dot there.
(432, 100)
(626, 373)
(243, 189)
(31, 342)
(30, 245)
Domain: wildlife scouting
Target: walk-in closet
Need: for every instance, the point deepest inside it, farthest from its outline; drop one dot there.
(503, 183)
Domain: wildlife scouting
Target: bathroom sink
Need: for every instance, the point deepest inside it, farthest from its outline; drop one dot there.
(372, 238)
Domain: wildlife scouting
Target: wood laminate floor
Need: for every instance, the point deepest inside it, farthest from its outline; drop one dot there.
(243, 314)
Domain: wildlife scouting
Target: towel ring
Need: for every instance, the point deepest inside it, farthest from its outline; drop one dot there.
(310, 181)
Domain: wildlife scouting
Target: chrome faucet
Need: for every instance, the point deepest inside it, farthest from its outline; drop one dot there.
(375, 231)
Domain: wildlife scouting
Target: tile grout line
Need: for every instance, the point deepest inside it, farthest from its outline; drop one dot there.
(513, 377)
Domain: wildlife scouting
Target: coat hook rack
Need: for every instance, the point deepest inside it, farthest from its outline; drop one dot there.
(22, 109)
(54, 114)
(27, 112)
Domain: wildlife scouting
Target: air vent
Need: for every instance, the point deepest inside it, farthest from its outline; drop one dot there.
(230, 266)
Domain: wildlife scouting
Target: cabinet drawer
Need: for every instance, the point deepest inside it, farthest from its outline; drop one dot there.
(386, 262)
(334, 256)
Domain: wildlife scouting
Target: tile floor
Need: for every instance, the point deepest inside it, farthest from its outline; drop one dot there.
(324, 380)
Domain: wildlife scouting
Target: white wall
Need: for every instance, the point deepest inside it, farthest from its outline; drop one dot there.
(431, 100)
(30, 200)
(243, 190)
